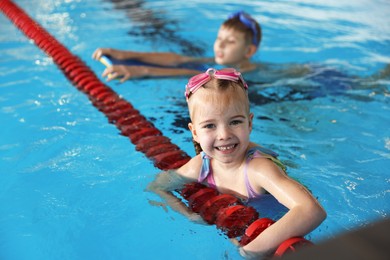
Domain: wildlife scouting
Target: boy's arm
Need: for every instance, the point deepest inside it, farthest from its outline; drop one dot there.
(157, 58)
(124, 72)
(289, 70)
(382, 74)
(304, 215)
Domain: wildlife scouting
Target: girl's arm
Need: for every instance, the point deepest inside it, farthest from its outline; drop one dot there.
(166, 182)
(304, 215)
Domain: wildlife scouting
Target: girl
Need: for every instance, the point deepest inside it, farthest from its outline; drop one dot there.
(237, 41)
(221, 123)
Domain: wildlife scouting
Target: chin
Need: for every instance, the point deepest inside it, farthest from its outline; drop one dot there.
(221, 61)
(218, 61)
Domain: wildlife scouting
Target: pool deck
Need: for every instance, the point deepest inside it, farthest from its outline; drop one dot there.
(368, 243)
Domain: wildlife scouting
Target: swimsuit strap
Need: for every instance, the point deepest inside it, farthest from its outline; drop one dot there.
(206, 172)
(267, 153)
(258, 152)
(251, 153)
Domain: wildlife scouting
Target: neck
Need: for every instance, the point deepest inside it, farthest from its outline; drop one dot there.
(232, 165)
(227, 166)
(245, 66)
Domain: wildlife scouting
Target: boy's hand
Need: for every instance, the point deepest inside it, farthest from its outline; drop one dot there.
(116, 54)
(124, 73)
(98, 53)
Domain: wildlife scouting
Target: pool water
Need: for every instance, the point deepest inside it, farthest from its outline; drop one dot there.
(73, 188)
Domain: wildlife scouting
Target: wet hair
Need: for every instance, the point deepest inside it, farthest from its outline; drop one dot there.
(235, 24)
(220, 86)
(197, 147)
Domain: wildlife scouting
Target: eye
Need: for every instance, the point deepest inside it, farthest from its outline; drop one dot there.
(236, 122)
(209, 126)
(231, 40)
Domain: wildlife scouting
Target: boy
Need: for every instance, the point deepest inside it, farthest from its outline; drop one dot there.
(237, 41)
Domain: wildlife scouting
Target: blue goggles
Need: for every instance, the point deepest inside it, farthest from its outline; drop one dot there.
(248, 21)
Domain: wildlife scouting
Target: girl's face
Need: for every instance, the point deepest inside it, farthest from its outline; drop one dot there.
(221, 124)
(230, 47)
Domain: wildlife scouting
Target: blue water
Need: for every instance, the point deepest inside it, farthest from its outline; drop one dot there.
(73, 188)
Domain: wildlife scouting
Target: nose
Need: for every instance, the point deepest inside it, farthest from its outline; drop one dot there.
(220, 44)
(224, 133)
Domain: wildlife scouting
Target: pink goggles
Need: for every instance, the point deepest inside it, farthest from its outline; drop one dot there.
(199, 80)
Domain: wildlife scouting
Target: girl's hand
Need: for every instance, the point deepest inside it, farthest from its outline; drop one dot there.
(196, 218)
(250, 255)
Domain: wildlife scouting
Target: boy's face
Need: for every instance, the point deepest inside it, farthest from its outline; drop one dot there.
(230, 47)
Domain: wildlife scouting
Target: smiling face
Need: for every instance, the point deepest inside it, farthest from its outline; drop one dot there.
(221, 122)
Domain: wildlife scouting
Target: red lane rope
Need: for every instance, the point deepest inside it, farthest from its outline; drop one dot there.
(119, 112)
(223, 210)
(233, 218)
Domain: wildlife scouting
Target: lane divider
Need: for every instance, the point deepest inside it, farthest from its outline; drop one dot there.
(233, 218)
(225, 211)
(119, 112)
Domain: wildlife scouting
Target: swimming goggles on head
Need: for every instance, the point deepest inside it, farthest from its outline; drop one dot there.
(199, 80)
(248, 21)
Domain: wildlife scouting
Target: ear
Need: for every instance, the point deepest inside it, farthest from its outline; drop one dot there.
(250, 51)
(250, 122)
(193, 131)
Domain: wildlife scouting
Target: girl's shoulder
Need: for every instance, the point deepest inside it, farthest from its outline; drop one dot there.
(256, 151)
(192, 168)
(263, 172)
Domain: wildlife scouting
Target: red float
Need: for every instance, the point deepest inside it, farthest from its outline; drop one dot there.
(233, 220)
(255, 229)
(196, 200)
(210, 208)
